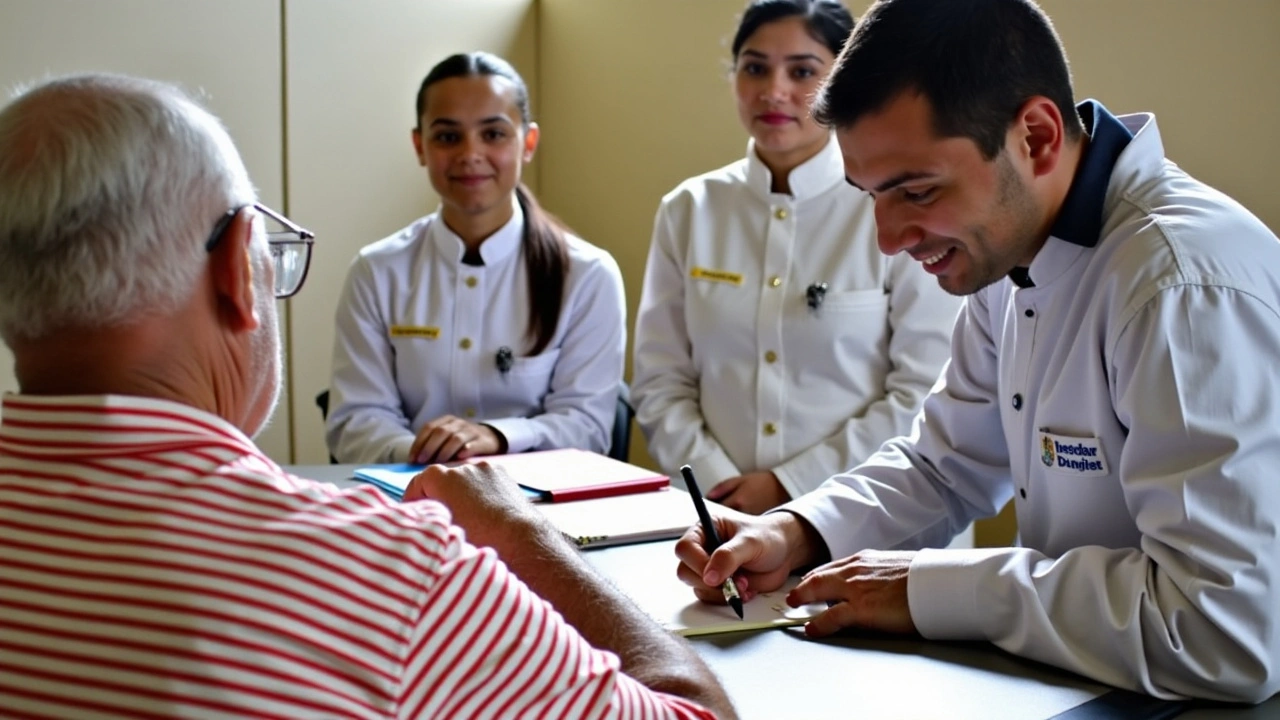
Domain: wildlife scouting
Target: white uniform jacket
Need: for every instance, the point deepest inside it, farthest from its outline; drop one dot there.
(734, 372)
(419, 332)
(1129, 403)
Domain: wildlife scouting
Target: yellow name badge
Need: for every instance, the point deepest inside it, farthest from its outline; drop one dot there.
(430, 333)
(723, 276)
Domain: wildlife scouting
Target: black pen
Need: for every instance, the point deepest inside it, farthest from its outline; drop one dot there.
(713, 539)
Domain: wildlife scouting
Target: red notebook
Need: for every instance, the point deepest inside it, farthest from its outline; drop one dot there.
(564, 475)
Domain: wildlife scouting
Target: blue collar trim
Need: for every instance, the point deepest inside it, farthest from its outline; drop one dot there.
(1080, 221)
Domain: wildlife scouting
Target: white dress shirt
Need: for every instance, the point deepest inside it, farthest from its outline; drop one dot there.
(734, 372)
(1129, 403)
(419, 331)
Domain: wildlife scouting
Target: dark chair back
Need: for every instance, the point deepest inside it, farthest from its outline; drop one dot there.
(620, 448)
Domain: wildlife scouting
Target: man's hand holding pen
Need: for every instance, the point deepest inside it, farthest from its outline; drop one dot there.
(866, 590)
(753, 552)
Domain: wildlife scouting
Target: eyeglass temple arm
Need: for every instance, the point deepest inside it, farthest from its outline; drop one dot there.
(302, 232)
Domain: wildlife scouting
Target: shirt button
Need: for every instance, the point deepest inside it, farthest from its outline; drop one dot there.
(780, 213)
(1023, 493)
(1030, 313)
(770, 429)
(1017, 401)
(469, 412)
(471, 281)
(771, 357)
(465, 343)
(775, 281)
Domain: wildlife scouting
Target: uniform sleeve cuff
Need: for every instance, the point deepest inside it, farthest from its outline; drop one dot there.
(708, 470)
(399, 451)
(942, 593)
(798, 479)
(519, 432)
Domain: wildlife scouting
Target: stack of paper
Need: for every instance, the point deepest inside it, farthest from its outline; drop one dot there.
(623, 519)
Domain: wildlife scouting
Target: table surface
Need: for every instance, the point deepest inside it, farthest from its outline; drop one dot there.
(780, 673)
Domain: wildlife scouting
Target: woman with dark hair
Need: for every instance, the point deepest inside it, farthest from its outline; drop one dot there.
(775, 345)
(485, 327)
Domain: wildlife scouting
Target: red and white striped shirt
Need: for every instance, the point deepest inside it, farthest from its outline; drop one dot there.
(153, 562)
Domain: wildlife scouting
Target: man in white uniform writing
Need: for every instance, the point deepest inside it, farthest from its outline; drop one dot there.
(1113, 373)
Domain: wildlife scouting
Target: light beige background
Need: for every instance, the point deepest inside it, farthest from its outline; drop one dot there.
(633, 96)
(184, 41)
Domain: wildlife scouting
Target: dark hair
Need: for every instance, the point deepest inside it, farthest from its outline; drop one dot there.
(546, 252)
(976, 61)
(828, 21)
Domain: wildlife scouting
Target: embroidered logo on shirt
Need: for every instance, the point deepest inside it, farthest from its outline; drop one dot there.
(724, 276)
(1076, 456)
(430, 333)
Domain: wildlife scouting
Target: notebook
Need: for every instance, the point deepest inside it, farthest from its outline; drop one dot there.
(546, 476)
(650, 580)
(623, 519)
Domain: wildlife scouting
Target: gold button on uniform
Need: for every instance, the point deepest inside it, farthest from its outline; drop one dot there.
(471, 281)
(465, 343)
(775, 281)
(469, 412)
(780, 213)
(770, 429)
(771, 357)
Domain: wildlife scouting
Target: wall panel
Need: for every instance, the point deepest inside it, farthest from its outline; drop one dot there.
(227, 53)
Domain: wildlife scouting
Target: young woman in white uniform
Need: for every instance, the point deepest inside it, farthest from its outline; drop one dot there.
(775, 345)
(484, 327)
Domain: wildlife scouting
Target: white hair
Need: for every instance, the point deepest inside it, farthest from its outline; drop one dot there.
(109, 188)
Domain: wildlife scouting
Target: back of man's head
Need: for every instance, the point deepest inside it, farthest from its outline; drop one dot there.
(109, 186)
(976, 62)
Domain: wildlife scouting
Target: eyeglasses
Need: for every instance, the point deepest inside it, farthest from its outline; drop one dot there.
(290, 248)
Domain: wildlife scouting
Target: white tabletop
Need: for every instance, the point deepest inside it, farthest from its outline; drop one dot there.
(781, 674)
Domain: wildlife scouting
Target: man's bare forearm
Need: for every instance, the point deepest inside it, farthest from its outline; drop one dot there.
(607, 618)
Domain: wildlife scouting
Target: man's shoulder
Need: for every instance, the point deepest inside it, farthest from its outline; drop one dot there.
(300, 505)
(1173, 230)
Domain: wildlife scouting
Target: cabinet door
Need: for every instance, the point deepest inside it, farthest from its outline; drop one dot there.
(353, 72)
(226, 53)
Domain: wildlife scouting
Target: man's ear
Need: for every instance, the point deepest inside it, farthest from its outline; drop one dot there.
(1041, 133)
(531, 136)
(417, 146)
(231, 265)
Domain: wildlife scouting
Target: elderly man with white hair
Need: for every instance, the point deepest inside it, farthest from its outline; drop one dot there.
(154, 562)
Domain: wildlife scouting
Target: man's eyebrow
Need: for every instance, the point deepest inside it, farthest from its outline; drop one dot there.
(901, 178)
(851, 182)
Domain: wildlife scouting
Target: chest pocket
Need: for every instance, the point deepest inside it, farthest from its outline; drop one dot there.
(839, 301)
(537, 366)
(526, 384)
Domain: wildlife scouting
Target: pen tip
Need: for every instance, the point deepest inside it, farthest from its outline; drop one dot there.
(736, 604)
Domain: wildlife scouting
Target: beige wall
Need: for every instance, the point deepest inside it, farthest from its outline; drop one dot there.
(183, 41)
(636, 98)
